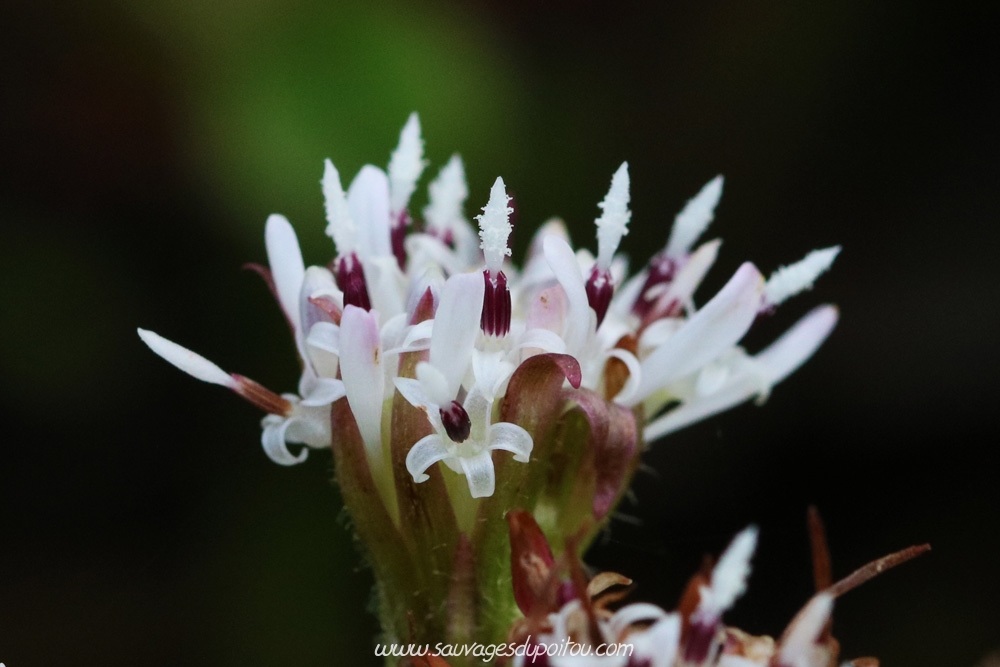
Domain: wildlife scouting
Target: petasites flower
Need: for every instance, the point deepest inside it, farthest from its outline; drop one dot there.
(452, 385)
(570, 620)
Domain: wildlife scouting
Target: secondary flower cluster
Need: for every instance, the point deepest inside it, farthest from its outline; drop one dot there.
(394, 288)
(571, 610)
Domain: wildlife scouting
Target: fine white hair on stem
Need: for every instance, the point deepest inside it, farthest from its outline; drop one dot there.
(789, 280)
(613, 223)
(495, 227)
(340, 227)
(406, 165)
(694, 218)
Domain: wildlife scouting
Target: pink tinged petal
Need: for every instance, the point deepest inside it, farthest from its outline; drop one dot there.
(193, 364)
(273, 440)
(694, 218)
(719, 325)
(798, 647)
(511, 438)
(287, 268)
(361, 368)
(425, 453)
(548, 310)
(564, 265)
(479, 474)
(324, 392)
(785, 355)
(319, 299)
(456, 326)
(368, 202)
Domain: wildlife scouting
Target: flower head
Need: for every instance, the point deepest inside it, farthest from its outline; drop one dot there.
(453, 387)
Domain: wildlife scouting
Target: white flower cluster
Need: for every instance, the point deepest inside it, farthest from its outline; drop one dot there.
(656, 639)
(394, 288)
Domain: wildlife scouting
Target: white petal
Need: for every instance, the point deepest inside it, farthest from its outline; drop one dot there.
(435, 384)
(659, 332)
(767, 368)
(324, 392)
(626, 295)
(325, 336)
(273, 439)
(456, 326)
(613, 223)
(729, 396)
(368, 201)
(495, 227)
(694, 218)
(421, 331)
(541, 339)
(790, 280)
(797, 344)
(491, 370)
(659, 643)
(690, 275)
(707, 334)
(406, 165)
(193, 364)
(479, 473)
(361, 368)
(386, 285)
(287, 269)
(426, 452)
(511, 438)
(563, 263)
(798, 649)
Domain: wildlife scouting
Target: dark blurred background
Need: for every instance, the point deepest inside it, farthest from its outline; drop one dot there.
(143, 144)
